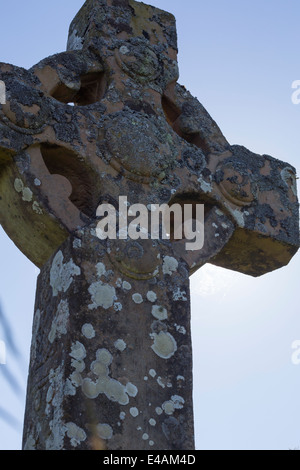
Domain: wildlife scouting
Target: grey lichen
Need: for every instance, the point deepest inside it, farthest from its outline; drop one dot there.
(62, 275)
(137, 298)
(113, 389)
(55, 397)
(151, 296)
(103, 295)
(159, 312)
(78, 351)
(164, 345)
(88, 331)
(134, 412)
(120, 345)
(60, 322)
(76, 434)
(170, 265)
(27, 194)
(104, 431)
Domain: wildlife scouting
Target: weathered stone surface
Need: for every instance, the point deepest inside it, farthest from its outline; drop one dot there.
(103, 354)
(133, 130)
(111, 332)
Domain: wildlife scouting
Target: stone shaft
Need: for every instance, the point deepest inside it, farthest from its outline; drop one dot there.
(111, 360)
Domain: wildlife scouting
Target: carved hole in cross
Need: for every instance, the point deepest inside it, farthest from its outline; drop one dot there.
(64, 162)
(92, 90)
(172, 114)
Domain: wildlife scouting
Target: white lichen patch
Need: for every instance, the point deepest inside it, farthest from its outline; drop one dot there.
(145, 436)
(180, 329)
(161, 382)
(114, 390)
(159, 312)
(104, 431)
(100, 269)
(179, 295)
(134, 412)
(178, 402)
(120, 345)
(124, 50)
(73, 382)
(219, 212)
(78, 351)
(60, 322)
(170, 265)
(151, 296)
(18, 185)
(137, 298)
(62, 275)
(35, 330)
(88, 331)
(103, 295)
(36, 208)
(76, 434)
(27, 194)
(168, 407)
(77, 243)
(164, 345)
(152, 422)
(237, 214)
(131, 389)
(79, 366)
(118, 306)
(126, 286)
(75, 42)
(289, 178)
(152, 373)
(55, 397)
(204, 185)
(104, 357)
(90, 388)
(159, 410)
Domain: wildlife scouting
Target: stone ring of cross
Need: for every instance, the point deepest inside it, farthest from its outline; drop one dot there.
(108, 118)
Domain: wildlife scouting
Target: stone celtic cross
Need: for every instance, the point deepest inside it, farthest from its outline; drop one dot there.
(111, 358)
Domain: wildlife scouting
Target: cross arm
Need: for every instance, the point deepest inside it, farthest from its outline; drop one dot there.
(260, 193)
(257, 193)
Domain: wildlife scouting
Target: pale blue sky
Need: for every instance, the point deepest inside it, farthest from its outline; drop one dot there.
(239, 58)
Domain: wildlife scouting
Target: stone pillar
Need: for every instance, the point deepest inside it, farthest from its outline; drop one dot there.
(111, 358)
